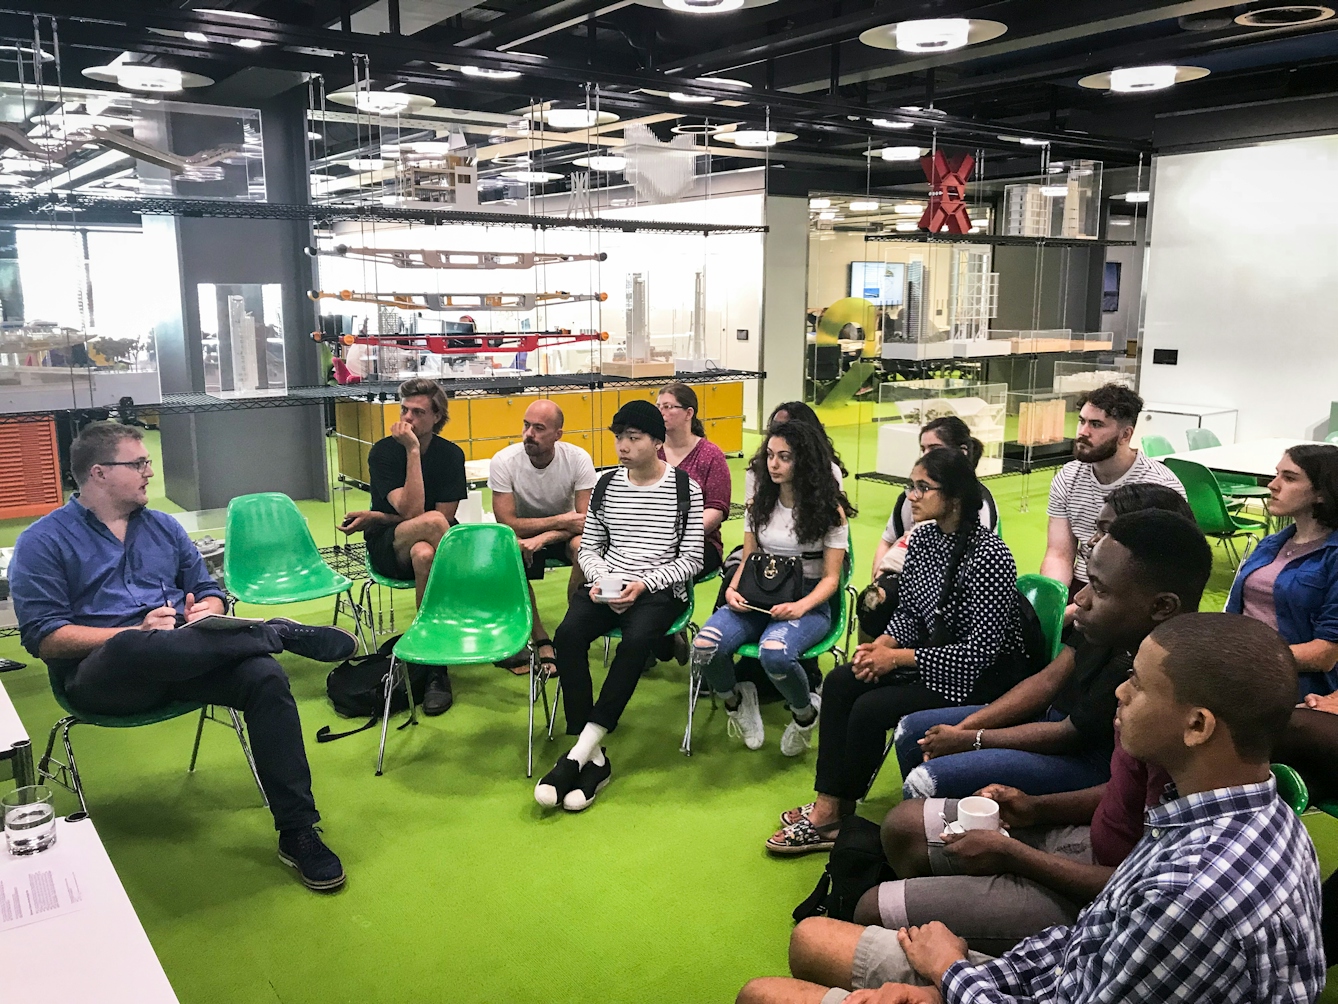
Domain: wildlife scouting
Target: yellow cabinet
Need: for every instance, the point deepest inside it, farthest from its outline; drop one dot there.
(638, 394)
(726, 433)
(608, 449)
(578, 410)
(585, 440)
(495, 417)
(486, 449)
(723, 400)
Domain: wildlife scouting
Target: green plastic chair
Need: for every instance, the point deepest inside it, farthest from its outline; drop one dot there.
(1049, 598)
(475, 610)
(270, 558)
(1291, 788)
(67, 774)
(1157, 446)
(375, 578)
(1210, 509)
(1234, 486)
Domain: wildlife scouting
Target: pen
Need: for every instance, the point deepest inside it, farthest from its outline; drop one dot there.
(165, 603)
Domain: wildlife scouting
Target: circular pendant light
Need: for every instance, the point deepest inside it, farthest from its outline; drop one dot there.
(1136, 79)
(931, 35)
(698, 129)
(1284, 17)
(605, 163)
(902, 154)
(146, 78)
(576, 118)
(382, 102)
(532, 177)
(703, 6)
(486, 73)
(756, 137)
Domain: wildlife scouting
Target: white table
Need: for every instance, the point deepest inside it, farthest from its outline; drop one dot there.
(98, 954)
(1258, 457)
(14, 743)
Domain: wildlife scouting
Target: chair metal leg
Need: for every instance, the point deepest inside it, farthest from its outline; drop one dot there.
(529, 733)
(64, 774)
(385, 714)
(607, 642)
(357, 618)
(246, 752)
(199, 731)
(366, 602)
(408, 692)
(887, 748)
(694, 684)
(557, 699)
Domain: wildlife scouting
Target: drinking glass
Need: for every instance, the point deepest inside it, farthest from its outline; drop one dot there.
(30, 819)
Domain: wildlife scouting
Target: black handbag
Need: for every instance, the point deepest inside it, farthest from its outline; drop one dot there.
(768, 579)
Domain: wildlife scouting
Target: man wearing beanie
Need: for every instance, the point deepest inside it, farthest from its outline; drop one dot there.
(640, 549)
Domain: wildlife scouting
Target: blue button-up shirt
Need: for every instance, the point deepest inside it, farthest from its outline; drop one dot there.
(1218, 904)
(1305, 598)
(68, 568)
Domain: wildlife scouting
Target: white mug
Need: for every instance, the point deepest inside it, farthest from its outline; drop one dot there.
(978, 813)
(610, 586)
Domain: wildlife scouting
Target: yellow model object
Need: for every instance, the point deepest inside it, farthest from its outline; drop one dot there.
(855, 311)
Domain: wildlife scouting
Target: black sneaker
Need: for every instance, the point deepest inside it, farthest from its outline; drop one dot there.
(681, 649)
(322, 644)
(317, 865)
(437, 696)
(553, 786)
(591, 782)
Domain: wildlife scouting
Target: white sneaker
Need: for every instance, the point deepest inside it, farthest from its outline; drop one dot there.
(745, 721)
(796, 738)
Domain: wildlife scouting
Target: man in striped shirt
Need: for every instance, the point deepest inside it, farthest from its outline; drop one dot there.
(1104, 460)
(640, 549)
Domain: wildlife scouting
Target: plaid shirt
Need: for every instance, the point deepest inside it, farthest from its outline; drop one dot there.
(1218, 903)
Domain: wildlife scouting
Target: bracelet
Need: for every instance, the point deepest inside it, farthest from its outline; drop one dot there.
(976, 744)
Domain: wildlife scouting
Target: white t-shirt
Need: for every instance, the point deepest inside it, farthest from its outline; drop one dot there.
(778, 537)
(750, 481)
(1076, 495)
(549, 491)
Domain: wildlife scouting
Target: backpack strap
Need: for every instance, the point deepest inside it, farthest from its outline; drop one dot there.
(993, 510)
(898, 520)
(601, 488)
(684, 488)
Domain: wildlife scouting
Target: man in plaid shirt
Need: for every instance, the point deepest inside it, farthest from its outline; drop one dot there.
(1218, 903)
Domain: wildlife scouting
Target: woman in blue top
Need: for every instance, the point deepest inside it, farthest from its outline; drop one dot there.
(1290, 581)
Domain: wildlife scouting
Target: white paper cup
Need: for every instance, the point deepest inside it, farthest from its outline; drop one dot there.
(978, 813)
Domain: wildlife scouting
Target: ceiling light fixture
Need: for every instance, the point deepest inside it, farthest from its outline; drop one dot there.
(195, 36)
(607, 163)
(487, 73)
(314, 136)
(147, 78)
(756, 137)
(1284, 17)
(819, 203)
(1130, 79)
(1137, 197)
(248, 43)
(938, 34)
(25, 51)
(908, 207)
(859, 206)
(1033, 141)
(220, 12)
(577, 118)
(532, 177)
(697, 129)
(367, 164)
(829, 215)
(703, 6)
(906, 226)
(1120, 221)
(889, 124)
(980, 223)
(382, 102)
(684, 98)
(900, 153)
(741, 85)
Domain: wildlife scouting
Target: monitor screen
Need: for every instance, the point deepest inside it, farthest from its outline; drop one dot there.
(1110, 288)
(882, 283)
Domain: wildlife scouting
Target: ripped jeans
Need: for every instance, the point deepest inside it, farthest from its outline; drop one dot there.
(780, 644)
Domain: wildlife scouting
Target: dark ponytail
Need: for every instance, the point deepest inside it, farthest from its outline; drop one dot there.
(686, 398)
(955, 434)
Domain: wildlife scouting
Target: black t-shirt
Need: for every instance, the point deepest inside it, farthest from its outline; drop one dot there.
(1088, 698)
(443, 473)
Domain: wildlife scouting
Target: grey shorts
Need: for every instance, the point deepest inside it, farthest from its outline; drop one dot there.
(879, 959)
(992, 912)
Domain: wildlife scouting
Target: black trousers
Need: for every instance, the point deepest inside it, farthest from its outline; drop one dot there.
(643, 624)
(853, 726)
(137, 671)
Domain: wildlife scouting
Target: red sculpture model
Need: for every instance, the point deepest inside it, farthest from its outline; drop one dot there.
(947, 193)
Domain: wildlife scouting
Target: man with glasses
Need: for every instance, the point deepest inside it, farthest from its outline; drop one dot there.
(110, 593)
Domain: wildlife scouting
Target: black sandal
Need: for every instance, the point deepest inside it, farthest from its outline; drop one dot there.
(544, 663)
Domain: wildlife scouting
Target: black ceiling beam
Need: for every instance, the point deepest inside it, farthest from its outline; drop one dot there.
(525, 21)
(126, 25)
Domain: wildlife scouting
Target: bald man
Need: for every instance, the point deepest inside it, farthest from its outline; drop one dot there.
(541, 489)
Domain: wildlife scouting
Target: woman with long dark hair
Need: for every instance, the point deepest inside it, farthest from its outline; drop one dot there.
(687, 448)
(1290, 581)
(955, 638)
(801, 414)
(796, 512)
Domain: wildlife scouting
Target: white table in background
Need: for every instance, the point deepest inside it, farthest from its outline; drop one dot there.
(98, 954)
(15, 747)
(1257, 457)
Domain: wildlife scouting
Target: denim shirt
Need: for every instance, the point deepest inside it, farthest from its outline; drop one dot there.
(1305, 598)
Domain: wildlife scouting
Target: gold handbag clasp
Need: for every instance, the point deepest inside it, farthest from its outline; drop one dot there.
(771, 571)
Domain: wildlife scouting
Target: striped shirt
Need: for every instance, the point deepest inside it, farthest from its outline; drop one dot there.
(1077, 496)
(1219, 903)
(635, 533)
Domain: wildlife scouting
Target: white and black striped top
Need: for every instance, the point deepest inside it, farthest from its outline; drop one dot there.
(1077, 496)
(982, 610)
(635, 534)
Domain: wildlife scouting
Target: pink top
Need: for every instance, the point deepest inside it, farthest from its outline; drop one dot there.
(706, 465)
(1256, 591)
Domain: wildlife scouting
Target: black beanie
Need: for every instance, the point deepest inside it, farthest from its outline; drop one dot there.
(641, 415)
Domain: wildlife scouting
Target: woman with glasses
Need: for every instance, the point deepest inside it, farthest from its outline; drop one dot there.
(687, 448)
(1290, 581)
(879, 598)
(955, 638)
(798, 512)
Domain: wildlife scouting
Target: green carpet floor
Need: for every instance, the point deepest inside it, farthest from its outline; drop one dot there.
(460, 888)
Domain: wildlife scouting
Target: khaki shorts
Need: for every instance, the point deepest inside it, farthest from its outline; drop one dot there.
(879, 959)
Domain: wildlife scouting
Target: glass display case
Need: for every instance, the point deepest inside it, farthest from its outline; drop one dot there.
(904, 406)
(1063, 203)
(241, 338)
(1076, 377)
(1037, 418)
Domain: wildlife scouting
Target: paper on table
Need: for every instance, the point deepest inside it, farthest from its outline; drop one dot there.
(29, 892)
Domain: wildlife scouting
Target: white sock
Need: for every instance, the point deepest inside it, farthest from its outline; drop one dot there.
(587, 745)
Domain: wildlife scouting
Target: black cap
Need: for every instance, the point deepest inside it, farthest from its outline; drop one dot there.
(641, 415)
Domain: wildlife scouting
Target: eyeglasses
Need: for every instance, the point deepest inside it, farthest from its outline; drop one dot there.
(141, 465)
(918, 489)
(671, 407)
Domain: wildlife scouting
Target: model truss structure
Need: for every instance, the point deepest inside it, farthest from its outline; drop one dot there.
(458, 301)
(465, 343)
(431, 258)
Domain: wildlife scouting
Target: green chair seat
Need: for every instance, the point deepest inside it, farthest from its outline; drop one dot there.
(1331, 438)
(1291, 788)
(1157, 446)
(1049, 598)
(1210, 509)
(751, 650)
(384, 580)
(166, 713)
(270, 556)
(680, 622)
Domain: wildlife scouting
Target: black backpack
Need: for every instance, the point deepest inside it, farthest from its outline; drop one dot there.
(356, 688)
(681, 485)
(856, 865)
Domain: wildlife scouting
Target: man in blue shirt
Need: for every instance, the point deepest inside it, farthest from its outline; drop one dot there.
(106, 591)
(1219, 901)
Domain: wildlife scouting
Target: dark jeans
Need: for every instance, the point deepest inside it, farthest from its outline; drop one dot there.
(137, 671)
(643, 624)
(853, 726)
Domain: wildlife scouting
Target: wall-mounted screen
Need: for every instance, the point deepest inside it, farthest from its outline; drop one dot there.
(1110, 288)
(882, 283)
